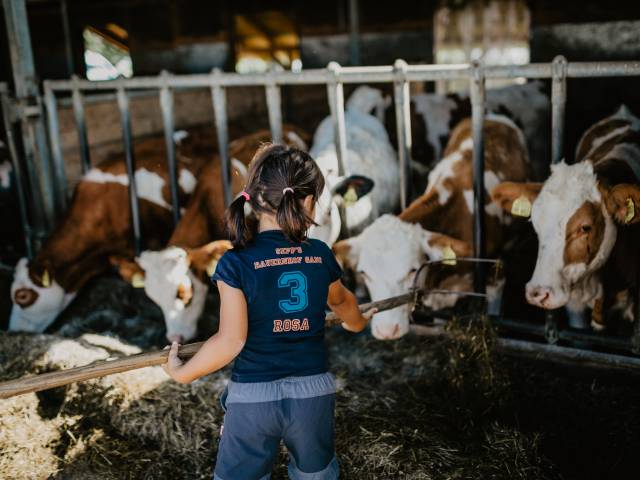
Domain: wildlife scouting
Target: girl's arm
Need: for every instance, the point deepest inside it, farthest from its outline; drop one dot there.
(221, 348)
(344, 304)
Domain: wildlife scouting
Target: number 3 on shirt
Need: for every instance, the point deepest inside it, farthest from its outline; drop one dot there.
(298, 300)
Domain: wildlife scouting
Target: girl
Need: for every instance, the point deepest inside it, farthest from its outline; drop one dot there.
(273, 290)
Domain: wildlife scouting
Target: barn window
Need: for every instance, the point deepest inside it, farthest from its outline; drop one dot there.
(106, 54)
(495, 32)
(264, 41)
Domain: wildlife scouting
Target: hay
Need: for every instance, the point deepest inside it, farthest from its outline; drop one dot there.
(417, 408)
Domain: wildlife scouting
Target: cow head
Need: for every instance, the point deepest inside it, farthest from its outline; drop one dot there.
(338, 191)
(174, 278)
(575, 217)
(37, 298)
(387, 255)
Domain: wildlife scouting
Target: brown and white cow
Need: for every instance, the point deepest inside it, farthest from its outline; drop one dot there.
(177, 277)
(586, 216)
(388, 252)
(97, 225)
(434, 116)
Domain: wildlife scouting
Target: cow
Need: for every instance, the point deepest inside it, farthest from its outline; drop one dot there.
(176, 278)
(370, 153)
(388, 252)
(586, 218)
(433, 117)
(97, 225)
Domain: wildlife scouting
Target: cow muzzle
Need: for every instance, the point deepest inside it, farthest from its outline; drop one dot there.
(542, 296)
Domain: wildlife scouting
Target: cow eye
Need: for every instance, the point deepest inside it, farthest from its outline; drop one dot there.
(585, 228)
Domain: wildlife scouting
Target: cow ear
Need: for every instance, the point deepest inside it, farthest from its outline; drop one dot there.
(130, 271)
(438, 246)
(516, 198)
(623, 203)
(205, 258)
(347, 252)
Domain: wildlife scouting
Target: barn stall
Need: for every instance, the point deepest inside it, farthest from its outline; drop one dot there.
(87, 428)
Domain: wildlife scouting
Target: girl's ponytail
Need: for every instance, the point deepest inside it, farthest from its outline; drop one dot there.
(291, 216)
(236, 222)
(279, 180)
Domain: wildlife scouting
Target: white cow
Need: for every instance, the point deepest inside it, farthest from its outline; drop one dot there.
(370, 153)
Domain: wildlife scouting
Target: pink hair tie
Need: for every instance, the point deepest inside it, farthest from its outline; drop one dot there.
(245, 195)
(287, 189)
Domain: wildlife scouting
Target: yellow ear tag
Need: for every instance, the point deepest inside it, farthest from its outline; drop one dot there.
(211, 268)
(46, 281)
(631, 210)
(448, 256)
(521, 207)
(137, 280)
(350, 197)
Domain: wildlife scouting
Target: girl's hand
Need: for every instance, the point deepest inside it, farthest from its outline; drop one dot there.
(173, 362)
(369, 314)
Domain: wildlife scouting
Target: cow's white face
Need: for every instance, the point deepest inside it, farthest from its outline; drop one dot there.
(575, 233)
(35, 307)
(327, 217)
(387, 254)
(172, 286)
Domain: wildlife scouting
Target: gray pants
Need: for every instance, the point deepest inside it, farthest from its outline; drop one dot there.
(296, 410)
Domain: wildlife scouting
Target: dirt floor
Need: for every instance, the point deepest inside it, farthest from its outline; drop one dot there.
(417, 408)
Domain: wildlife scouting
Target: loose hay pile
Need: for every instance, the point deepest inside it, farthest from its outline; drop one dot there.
(418, 408)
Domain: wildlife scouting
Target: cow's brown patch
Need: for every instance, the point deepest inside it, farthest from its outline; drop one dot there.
(617, 202)
(584, 234)
(460, 247)
(184, 294)
(595, 133)
(504, 153)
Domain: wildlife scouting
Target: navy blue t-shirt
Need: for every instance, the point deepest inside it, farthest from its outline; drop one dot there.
(286, 286)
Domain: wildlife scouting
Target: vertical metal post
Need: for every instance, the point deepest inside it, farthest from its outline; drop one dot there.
(558, 103)
(166, 105)
(81, 125)
(34, 134)
(274, 106)
(402, 103)
(354, 33)
(477, 125)
(219, 99)
(56, 149)
(125, 120)
(335, 92)
(68, 49)
(19, 174)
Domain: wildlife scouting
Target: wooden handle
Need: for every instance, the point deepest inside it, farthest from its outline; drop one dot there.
(102, 368)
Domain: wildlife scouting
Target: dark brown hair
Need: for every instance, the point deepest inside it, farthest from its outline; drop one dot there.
(280, 178)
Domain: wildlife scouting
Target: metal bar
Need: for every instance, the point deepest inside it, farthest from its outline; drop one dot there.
(19, 174)
(374, 74)
(219, 99)
(354, 33)
(166, 105)
(402, 101)
(477, 119)
(558, 103)
(68, 49)
(29, 111)
(56, 149)
(81, 126)
(125, 120)
(274, 106)
(335, 92)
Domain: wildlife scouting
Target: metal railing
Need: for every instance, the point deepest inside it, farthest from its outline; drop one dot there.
(334, 77)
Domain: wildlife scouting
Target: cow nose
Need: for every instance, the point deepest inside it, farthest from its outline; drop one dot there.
(538, 295)
(175, 338)
(386, 332)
